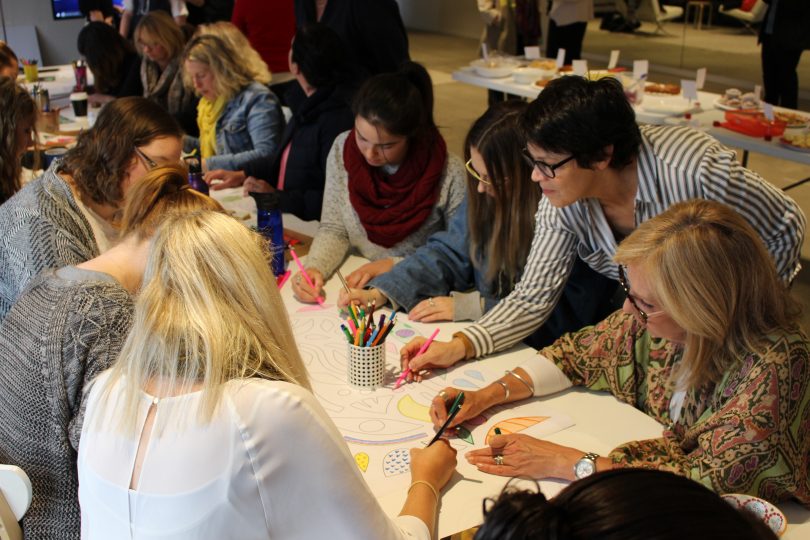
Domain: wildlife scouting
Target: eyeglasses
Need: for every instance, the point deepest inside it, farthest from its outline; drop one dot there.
(150, 164)
(624, 285)
(483, 179)
(542, 167)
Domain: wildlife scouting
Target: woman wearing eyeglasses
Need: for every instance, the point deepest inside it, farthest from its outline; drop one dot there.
(69, 214)
(390, 182)
(602, 175)
(708, 343)
(462, 272)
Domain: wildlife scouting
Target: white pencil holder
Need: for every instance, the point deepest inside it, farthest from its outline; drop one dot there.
(366, 366)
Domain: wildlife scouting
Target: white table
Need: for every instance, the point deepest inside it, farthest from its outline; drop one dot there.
(63, 80)
(601, 424)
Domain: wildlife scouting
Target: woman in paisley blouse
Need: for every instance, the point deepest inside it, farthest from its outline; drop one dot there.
(707, 343)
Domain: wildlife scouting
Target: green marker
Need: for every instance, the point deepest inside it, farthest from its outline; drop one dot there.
(497, 431)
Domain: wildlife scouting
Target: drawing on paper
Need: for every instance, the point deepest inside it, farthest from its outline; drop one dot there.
(362, 459)
(514, 425)
(397, 462)
(407, 406)
(355, 440)
(464, 434)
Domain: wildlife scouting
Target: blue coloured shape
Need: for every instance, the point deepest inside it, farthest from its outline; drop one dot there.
(464, 383)
(474, 374)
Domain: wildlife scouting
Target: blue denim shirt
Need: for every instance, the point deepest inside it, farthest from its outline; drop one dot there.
(248, 130)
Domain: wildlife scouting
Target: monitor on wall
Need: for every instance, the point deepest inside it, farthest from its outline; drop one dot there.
(69, 9)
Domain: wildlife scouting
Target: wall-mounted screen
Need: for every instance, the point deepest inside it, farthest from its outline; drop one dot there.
(69, 9)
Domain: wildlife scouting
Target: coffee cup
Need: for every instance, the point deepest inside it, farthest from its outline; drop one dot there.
(79, 102)
(51, 154)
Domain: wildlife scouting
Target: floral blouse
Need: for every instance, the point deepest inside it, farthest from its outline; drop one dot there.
(749, 433)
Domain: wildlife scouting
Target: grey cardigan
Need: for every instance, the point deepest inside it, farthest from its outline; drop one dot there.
(40, 227)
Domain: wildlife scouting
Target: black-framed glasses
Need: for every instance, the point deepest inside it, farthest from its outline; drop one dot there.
(483, 179)
(626, 287)
(542, 167)
(150, 164)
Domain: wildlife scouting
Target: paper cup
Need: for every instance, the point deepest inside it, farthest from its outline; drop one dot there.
(79, 102)
(366, 368)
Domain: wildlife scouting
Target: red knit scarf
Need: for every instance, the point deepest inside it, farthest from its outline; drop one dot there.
(390, 208)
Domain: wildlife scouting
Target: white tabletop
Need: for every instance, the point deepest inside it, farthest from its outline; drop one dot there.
(58, 80)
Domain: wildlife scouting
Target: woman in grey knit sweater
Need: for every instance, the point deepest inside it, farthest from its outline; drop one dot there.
(67, 215)
(390, 182)
(67, 327)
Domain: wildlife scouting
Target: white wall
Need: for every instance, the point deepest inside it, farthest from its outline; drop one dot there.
(453, 17)
(57, 39)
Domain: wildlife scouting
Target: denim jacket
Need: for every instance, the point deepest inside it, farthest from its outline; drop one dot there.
(248, 130)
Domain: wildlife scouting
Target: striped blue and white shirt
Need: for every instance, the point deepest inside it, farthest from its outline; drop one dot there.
(674, 164)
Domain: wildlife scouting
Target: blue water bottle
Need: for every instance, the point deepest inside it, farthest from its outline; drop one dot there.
(195, 176)
(270, 225)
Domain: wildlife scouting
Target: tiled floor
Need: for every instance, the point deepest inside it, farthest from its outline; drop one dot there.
(458, 105)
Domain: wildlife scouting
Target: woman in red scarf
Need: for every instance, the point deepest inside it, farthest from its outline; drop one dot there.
(390, 182)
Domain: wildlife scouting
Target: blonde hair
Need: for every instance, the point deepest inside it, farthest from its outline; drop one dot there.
(710, 272)
(160, 26)
(237, 41)
(163, 190)
(209, 312)
(230, 75)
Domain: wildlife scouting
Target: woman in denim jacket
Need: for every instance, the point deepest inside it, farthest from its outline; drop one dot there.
(462, 272)
(240, 120)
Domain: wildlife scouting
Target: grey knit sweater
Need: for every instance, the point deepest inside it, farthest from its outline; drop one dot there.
(40, 227)
(341, 233)
(67, 327)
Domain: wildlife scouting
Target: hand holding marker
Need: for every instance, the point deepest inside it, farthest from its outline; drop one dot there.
(304, 273)
(421, 351)
(453, 412)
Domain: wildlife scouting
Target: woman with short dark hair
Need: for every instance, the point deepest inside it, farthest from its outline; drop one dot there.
(112, 60)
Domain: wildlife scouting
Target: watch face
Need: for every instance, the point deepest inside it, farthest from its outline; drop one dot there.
(584, 467)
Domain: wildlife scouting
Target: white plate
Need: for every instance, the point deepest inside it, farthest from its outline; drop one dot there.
(760, 508)
(499, 69)
(718, 104)
(671, 106)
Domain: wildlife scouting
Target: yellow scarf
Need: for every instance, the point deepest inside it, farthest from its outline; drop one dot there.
(207, 115)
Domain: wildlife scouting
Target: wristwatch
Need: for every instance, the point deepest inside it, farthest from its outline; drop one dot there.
(585, 466)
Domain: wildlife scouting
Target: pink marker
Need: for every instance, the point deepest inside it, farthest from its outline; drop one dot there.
(282, 279)
(304, 272)
(421, 351)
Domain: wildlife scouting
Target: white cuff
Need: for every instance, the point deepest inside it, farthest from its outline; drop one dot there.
(546, 376)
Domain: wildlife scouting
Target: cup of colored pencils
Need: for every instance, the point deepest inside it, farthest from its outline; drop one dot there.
(30, 70)
(366, 342)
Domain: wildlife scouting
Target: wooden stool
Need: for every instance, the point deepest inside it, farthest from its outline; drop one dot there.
(698, 8)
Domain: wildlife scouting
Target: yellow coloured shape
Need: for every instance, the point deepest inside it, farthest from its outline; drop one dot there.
(361, 458)
(514, 425)
(410, 408)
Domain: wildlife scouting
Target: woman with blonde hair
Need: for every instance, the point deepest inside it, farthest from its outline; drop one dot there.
(205, 427)
(16, 127)
(708, 343)
(160, 43)
(239, 118)
(237, 41)
(66, 328)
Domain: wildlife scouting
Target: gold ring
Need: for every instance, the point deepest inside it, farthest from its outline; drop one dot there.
(431, 302)
(498, 459)
(442, 394)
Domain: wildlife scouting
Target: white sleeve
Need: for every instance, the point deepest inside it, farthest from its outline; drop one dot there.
(546, 376)
(128, 5)
(308, 481)
(179, 8)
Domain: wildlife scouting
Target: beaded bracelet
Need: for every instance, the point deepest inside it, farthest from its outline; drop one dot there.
(521, 379)
(506, 389)
(428, 484)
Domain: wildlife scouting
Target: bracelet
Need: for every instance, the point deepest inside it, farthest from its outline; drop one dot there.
(521, 379)
(428, 484)
(506, 389)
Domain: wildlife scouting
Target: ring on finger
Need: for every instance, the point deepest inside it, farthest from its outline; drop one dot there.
(431, 302)
(442, 394)
(498, 459)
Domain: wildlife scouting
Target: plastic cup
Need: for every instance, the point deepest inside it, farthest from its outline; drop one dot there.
(366, 367)
(79, 102)
(31, 72)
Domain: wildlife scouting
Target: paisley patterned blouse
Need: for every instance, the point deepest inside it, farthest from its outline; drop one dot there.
(749, 433)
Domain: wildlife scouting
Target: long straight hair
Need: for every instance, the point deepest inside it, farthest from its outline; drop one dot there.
(17, 107)
(710, 272)
(501, 227)
(209, 312)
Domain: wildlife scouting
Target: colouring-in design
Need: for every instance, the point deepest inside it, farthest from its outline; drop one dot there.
(474, 374)
(361, 458)
(514, 425)
(314, 307)
(397, 462)
(355, 440)
(378, 405)
(410, 408)
(405, 333)
(464, 383)
(387, 427)
(464, 434)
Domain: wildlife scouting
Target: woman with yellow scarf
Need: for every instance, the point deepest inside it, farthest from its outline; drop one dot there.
(240, 119)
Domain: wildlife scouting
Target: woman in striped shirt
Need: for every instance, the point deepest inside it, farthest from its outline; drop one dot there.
(602, 175)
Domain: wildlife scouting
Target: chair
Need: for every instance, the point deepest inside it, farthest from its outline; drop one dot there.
(15, 498)
(748, 18)
(650, 11)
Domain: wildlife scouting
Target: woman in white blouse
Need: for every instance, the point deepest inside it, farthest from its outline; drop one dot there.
(205, 427)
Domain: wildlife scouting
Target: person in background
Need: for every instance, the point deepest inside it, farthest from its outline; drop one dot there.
(135, 9)
(17, 125)
(236, 40)
(318, 60)
(206, 423)
(239, 118)
(628, 504)
(69, 214)
(66, 328)
(208, 11)
(500, 33)
(707, 345)
(269, 26)
(9, 64)
(601, 175)
(112, 59)
(160, 43)
(390, 182)
(568, 20)
(784, 36)
(481, 255)
(98, 11)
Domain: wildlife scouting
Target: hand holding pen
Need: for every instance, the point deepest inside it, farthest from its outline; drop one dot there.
(474, 405)
(453, 411)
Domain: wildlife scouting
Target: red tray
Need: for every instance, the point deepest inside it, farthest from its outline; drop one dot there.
(755, 125)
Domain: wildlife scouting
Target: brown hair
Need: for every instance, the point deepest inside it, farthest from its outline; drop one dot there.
(501, 227)
(105, 51)
(161, 27)
(102, 155)
(7, 56)
(710, 272)
(17, 107)
(163, 189)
